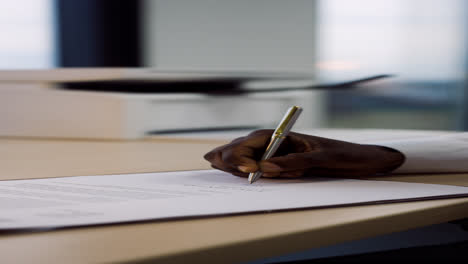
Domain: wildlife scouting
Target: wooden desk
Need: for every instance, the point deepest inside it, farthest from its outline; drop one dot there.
(211, 240)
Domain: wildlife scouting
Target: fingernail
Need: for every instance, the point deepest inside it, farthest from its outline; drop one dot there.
(245, 168)
(267, 166)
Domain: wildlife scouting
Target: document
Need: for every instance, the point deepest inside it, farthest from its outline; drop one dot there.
(363, 136)
(123, 198)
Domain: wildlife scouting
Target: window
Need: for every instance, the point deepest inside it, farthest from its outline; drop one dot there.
(27, 34)
(422, 42)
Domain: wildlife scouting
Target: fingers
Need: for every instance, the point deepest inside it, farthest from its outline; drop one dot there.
(217, 161)
(233, 172)
(294, 162)
(297, 153)
(241, 154)
(240, 157)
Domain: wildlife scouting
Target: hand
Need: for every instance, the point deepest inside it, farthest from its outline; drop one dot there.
(303, 155)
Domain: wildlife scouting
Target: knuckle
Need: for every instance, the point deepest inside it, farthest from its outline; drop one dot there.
(238, 140)
(229, 156)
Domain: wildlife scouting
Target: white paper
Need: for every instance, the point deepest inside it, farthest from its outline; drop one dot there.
(363, 136)
(437, 154)
(93, 200)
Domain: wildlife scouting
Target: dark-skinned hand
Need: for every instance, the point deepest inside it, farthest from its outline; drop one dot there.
(303, 155)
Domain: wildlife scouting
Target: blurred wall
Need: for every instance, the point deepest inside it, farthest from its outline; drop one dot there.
(234, 35)
(258, 34)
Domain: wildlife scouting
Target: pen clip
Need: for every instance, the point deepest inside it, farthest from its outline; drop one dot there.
(288, 121)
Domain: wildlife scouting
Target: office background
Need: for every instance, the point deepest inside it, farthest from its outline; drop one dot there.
(423, 43)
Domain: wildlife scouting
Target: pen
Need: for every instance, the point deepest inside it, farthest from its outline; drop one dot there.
(278, 136)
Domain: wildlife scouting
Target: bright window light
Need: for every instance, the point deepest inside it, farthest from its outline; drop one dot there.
(26, 30)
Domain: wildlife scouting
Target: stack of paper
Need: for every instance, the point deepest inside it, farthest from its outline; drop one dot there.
(97, 200)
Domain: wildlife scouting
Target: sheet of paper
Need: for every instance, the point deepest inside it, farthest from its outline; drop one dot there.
(436, 154)
(364, 136)
(95, 200)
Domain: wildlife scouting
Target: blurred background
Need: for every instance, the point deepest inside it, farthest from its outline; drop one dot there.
(422, 43)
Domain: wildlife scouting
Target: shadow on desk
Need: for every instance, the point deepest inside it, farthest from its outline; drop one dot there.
(448, 253)
(441, 243)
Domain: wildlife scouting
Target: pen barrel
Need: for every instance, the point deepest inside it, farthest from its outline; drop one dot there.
(278, 136)
(273, 146)
(275, 142)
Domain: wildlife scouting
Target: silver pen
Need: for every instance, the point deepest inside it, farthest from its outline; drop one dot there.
(278, 136)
